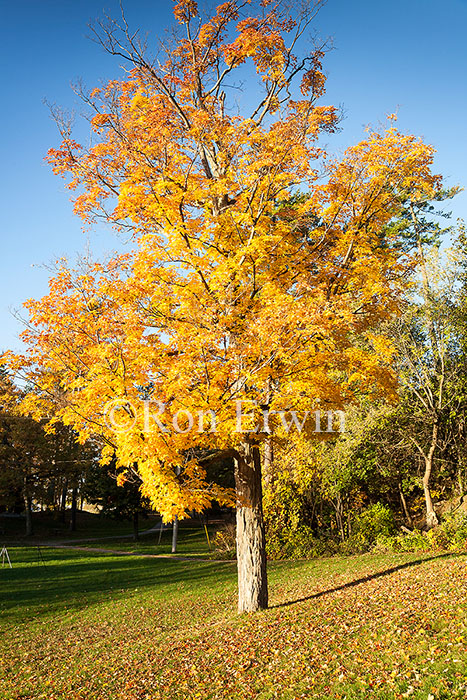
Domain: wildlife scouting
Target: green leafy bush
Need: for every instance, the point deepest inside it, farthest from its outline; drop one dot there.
(454, 530)
(450, 535)
(297, 543)
(373, 523)
(288, 536)
(415, 541)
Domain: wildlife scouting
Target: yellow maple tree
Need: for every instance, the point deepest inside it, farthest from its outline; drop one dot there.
(261, 266)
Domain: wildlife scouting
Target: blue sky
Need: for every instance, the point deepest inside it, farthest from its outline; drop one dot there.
(406, 56)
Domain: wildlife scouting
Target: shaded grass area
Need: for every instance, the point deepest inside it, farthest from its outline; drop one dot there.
(97, 531)
(56, 580)
(93, 627)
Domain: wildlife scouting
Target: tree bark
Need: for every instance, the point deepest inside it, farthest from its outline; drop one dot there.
(431, 517)
(251, 543)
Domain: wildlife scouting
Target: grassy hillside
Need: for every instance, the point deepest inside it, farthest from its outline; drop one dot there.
(99, 626)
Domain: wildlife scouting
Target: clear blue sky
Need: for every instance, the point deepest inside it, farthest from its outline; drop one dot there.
(404, 55)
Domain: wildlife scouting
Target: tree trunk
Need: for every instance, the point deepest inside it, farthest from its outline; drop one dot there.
(29, 527)
(160, 531)
(439, 371)
(339, 508)
(63, 501)
(135, 526)
(73, 509)
(431, 517)
(268, 465)
(405, 507)
(251, 543)
(174, 534)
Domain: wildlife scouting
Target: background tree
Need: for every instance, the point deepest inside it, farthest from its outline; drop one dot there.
(37, 465)
(426, 341)
(117, 500)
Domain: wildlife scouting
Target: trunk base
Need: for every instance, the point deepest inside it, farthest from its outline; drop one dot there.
(251, 561)
(431, 520)
(251, 543)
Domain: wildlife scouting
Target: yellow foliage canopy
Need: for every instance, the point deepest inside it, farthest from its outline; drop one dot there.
(238, 287)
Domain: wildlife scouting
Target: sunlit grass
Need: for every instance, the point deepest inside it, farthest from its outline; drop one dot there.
(96, 626)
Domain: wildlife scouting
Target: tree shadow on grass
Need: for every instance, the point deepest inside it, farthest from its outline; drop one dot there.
(369, 577)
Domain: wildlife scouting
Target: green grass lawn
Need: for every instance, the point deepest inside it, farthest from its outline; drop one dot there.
(95, 626)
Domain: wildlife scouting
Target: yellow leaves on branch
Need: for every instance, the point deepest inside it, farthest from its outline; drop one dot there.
(185, 10)
(100, 120)
(122, 477)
